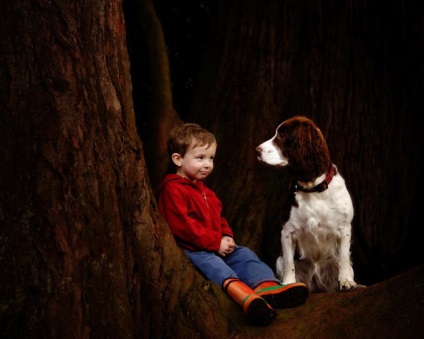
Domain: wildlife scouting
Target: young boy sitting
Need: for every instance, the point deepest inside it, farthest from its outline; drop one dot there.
(193, 213)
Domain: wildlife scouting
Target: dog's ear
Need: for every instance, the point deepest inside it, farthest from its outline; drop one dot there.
(309, 150)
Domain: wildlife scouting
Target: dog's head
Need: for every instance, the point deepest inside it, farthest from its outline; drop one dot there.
(299, 144)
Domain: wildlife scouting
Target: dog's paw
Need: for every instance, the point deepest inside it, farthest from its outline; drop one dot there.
(348, 285)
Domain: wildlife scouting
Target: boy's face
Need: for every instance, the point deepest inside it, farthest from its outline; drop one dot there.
(197, 163)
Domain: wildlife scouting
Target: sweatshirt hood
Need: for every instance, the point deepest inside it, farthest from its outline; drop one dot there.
(173, 177)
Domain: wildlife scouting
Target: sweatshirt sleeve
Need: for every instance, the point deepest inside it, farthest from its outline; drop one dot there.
(226, 230)
(190, 229)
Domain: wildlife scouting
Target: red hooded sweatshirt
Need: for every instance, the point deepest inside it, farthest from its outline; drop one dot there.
(193, 212)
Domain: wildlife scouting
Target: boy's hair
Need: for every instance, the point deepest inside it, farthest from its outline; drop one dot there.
(183, 136)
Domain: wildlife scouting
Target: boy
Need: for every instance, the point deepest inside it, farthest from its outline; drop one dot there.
(193, 213)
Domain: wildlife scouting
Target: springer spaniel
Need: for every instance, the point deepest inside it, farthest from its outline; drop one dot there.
(318, 232)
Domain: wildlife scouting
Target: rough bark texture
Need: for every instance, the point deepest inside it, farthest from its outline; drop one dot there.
(72, 160)
(390, 309)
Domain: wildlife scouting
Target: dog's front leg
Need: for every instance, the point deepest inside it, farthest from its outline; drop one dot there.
(288, 247)
(345, 266)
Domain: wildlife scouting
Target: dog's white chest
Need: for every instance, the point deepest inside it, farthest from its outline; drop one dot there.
(319, 221)
(323, 212)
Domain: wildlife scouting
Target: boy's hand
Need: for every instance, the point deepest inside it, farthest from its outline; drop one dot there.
(227, 246)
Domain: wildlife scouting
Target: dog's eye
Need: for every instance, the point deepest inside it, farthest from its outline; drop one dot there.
(284, 139)
(281, 136)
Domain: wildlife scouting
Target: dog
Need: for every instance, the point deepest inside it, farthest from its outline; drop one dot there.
(316, 239)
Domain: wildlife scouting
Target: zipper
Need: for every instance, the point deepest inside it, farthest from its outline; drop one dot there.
(206, 200)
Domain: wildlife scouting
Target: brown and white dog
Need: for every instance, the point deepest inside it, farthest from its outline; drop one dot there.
(318, 231)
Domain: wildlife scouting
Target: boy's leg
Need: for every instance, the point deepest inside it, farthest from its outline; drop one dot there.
(259, 276)
(256, 308)
(211, 265)
(216, 270)
(248, 267)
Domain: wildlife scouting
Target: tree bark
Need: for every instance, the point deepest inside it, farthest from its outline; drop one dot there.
(390, 309)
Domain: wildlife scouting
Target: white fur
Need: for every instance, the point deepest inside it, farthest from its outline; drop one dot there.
(319, 229)
(271, 155)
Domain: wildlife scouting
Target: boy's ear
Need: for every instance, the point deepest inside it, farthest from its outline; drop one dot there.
(176, 159)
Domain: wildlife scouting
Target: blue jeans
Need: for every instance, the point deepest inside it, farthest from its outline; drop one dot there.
(243, 264)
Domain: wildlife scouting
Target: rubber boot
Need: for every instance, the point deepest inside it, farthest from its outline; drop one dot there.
(282, 296)
(257, 309)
